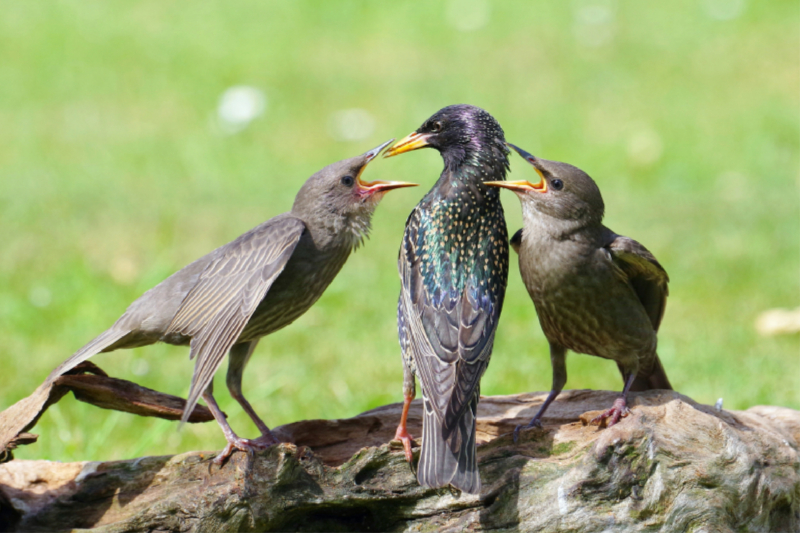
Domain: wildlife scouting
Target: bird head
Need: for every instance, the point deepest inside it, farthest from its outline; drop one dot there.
(564, 192)
(338, 201)
(460, 133)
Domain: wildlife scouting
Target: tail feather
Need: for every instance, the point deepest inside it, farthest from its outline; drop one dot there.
(656, 378)
(450, 460)
(95, 346)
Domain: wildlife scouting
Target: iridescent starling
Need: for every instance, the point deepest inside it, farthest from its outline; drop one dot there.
(595, 292)
(227, 300)
(453, 268)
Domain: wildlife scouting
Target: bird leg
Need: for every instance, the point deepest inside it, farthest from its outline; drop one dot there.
(558, 360)
(619, 408)
(409, 392)
(237, 359)
(402, 433)
(234, 441)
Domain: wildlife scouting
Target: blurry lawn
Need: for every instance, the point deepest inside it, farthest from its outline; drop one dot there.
(113, 176)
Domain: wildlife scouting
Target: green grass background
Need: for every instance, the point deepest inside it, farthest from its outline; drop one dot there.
(112, 178)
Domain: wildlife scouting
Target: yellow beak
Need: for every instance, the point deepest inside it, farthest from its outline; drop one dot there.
(522, 186)
(412, 141)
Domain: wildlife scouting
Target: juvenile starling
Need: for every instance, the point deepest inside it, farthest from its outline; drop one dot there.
(262, 281)
(595, 292)
(453, 268)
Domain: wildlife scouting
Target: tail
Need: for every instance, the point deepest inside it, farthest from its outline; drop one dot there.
(449, 459)
(96, 345)
(654, 378)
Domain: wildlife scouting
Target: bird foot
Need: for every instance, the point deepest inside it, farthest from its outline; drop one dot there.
(408, 441)
(535, 423)
(245, 445)
(618, 410)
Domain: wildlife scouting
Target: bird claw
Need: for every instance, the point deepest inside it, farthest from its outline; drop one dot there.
(408, 441)
(535, 423)
(618, 410)
(245, 445)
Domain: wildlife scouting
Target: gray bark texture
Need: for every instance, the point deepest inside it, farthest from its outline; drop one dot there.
(671, 465)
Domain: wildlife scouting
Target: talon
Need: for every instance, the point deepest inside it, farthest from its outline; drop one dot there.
(535, 423)
(244, 445)
(408, 441)
(618, 410)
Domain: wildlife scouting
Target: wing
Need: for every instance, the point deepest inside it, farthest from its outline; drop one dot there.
(645, 274)
(449, 318)
(218, 307)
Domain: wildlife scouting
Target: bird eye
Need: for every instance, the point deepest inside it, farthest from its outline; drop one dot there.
(556, 184)
(436, 127)
(348, 181)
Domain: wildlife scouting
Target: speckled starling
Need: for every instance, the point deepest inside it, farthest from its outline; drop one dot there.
(227, 300)
(595, 292)
(453, 268)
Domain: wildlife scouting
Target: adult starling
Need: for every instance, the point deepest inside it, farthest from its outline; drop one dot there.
(227, 300)
(453, 268)
(595, 292)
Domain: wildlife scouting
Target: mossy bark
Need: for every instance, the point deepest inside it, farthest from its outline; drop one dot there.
(672, 465)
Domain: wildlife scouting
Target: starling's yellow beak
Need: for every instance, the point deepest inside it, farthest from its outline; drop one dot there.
(412, 141)
(368, 188)
(519, 186)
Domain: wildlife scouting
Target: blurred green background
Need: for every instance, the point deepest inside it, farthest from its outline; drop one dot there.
(116, 169)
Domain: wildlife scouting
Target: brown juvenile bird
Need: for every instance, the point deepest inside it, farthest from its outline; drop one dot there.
(260, 282)
(595, 292)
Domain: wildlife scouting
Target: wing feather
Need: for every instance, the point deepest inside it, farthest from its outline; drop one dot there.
(226, 295)
(645, 274)
(450, 332)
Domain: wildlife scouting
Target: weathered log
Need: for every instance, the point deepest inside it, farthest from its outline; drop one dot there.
(672, 465)
(90, 384)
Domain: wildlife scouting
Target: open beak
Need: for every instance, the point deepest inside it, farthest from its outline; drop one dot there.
(523, 186)
(412, 141)
(369, 188)
(519, 186)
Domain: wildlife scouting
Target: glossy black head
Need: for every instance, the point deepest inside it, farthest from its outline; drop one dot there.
(463, 134)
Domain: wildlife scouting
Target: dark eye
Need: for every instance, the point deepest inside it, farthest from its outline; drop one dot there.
(436, 127)
(556, 184)
(348, 181)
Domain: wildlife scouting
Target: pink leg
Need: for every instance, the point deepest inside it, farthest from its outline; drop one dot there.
(619, 408)
(402, 430)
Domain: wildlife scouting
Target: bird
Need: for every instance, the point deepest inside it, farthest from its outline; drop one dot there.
(258, 283)
(453, 266)
(595, 292)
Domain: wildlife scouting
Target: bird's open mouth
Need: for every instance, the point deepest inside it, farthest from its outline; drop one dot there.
(523, 186)
(412, 141)
(369, 188)
(520, 186)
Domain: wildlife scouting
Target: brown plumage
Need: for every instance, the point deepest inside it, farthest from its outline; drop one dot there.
(227, 300)
(595, 292)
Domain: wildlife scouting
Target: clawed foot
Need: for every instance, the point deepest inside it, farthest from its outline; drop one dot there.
(535, 423)
(245, 445)
(403, 436)
(618, 410)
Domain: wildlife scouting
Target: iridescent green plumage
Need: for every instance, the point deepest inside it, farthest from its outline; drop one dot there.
(454, 268)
